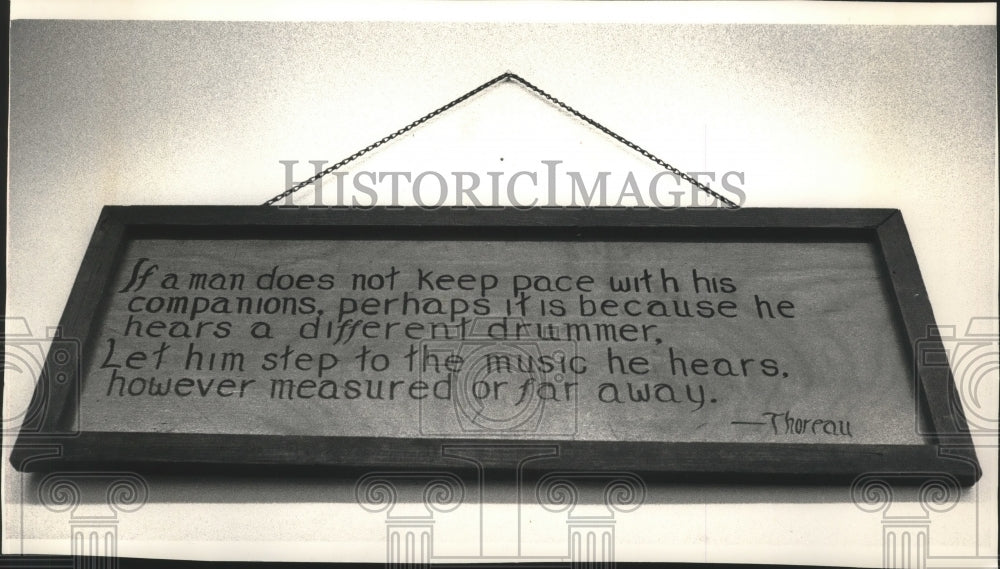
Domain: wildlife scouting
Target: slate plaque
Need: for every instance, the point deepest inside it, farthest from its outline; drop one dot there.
(759, 343)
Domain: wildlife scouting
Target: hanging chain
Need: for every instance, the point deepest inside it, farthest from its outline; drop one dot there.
(531, 87)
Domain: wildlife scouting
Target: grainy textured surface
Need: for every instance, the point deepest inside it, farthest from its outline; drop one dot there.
(447, 229)
(838, 358)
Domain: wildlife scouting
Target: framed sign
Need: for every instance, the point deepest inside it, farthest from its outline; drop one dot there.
(755, 344)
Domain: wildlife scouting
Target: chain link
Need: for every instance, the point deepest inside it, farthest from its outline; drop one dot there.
(531, 87)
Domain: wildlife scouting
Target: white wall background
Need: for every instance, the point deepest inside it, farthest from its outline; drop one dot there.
(814, 115)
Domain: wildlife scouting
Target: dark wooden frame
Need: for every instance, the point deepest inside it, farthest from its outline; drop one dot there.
(949, 450)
